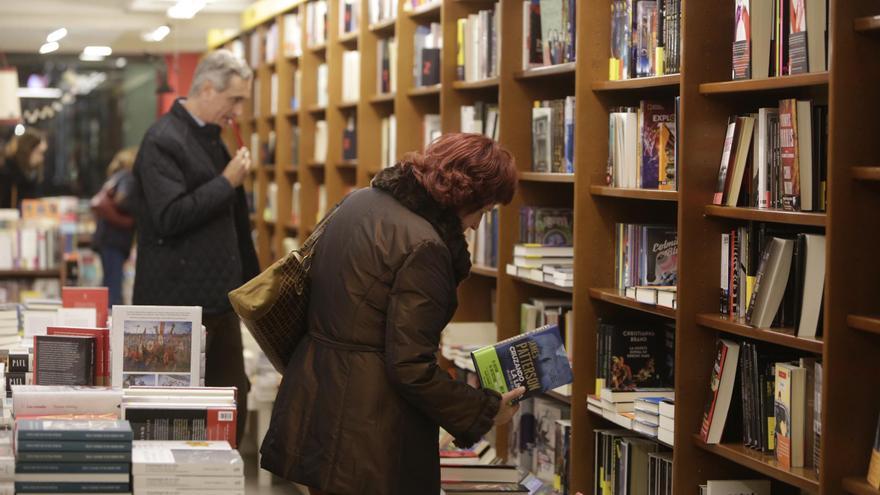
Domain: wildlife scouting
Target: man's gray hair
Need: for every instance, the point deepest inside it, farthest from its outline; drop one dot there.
(218, 67)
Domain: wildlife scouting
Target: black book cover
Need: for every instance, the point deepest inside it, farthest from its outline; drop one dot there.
(349, 143)
(18, 362)
(64, 360)
(430, 66)
(14, 378)
(168, 424)
(637, 356)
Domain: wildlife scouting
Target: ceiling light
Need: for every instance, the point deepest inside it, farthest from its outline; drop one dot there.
(97, 51)
(185, 9)
(19, 130)
(90, 58)
(121, 62)
(157, 34)
(56, 35)
(48, 47)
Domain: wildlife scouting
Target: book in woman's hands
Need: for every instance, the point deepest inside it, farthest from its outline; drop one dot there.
(535, 360)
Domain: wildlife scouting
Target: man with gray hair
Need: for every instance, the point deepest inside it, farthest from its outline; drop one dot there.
(193, 231)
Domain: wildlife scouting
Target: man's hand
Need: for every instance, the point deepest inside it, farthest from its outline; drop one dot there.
(237, 168)
(507, 410)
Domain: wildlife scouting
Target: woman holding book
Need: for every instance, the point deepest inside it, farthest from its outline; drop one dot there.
(361, 401)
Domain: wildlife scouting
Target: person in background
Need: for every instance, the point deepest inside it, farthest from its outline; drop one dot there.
(115, 223)
(21, 172)
(193, 231)
(361, 401)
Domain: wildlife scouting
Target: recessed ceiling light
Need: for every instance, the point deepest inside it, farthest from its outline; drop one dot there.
(49, 47)
(56, 35)
(157, 34)
(97, 51)
(90, 58)
(185, 9)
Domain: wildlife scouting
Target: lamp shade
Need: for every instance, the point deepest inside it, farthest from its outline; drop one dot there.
(10, 107)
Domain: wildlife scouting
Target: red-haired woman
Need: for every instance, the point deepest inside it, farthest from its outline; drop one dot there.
(361, 401)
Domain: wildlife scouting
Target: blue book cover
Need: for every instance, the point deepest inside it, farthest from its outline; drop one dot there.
(71, 446)
(535, 360)
(66, 457)
(48, 429)
(72, 467)
(37, 487)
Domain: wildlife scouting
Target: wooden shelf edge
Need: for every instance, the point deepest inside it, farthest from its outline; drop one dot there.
(641, 434)
(859, 486)
(491, 82)
(485, 271)
(425, 90)
(382, 26)
(613, 296)
(382, 98)
(647, 194)
(669, 80)
(804, 478)
(428, 10)
(347, 164)
(292, 169)
(545, 285)
(317, 109)
(867, 24)
(320, 47)
(347, 105)
(348, 37)
(546, 177)
(766, 84)
(866, 173)
(25, 273)
(767, 215)
(864, 323)
(722, 324)
(546, 71)
(566, 399)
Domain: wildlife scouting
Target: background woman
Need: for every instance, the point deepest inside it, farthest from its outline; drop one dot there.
(115, 224)
(21, 172)
(361, 401)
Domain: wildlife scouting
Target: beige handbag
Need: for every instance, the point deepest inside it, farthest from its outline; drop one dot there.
(274, 305)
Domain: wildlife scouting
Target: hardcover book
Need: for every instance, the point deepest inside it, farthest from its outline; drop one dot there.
(158, 421)
(102, 348)
(789, 407)
(64, 360)
(535, 360)
(42, 400)
(721, 385)
(156, 345)
(742, 49)
(34, 429)
(87, 297)
(186, 458)
(797, 37)
(788, 137)
(656, 117)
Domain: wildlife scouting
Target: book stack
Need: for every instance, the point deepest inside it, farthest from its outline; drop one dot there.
(477, 55)
(779, 38)
(382, 10)
(642, 146)
(61, 400)
(19, 367)
(483, 242)
(481, 480)
(427, 44)
(773, 278)
(543, 263)
(553, 136)
(549, 32)
(666, 427)
(160, 468)
(776, 158)
(29, 242)
(386, 64)
(480, 118)
(459, 340)
(316, 23)
(7, 463)
(645, 38)
(647, 415)
(351, 72)
(181, 413)
(292, 42)
(9, 325)
(72, 456)
(452, 456)
(646, 261)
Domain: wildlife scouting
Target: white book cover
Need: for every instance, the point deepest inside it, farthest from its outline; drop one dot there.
(156, 345)
(146, 481)
(199, 458)
(35, 323)
(738, 487)
(65, 399)
(77, 317)
(351, 76)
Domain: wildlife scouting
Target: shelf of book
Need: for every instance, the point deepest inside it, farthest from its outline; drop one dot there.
(669, 80)
(567, 69)
(485, 271)
(625, 426)
(384, 27)
(382, 98)
(291, 113)
(23, 273)
(803, 478)
(427, 12)
(566, 399)
(292, 58)
(545, 177)
(347, 105)
(646, 194)
(864, 323)
(315, 165)
(347, 164)
(320, 48)
(433, 90)
(290, 169)
(767, 215)
(291, 228)
(317, 109)
(268, 169)
(545, 285)
(859, 486)
(867, 24)
(766, 84)
(866, 173)
(776, 336)
(472, 85)
(613, 296)
(349, 38)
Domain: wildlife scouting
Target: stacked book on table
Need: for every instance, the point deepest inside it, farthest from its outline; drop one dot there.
(9, 325)
(542, 263)
(666, 426)
(7, 463)
(171, 468)
(72, 456)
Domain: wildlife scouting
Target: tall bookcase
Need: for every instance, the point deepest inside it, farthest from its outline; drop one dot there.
(850, 88)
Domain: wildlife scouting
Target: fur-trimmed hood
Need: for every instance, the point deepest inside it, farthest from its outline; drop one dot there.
(400, 182)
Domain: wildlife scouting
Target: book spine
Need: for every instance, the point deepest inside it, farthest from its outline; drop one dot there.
(71, 446)
(38, 487)
(74, 435)
(74, 457)
(72, 467)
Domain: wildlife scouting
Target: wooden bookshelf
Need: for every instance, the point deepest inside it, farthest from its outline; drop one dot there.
(767, 215)
(545, 285)
(866, 173)
(647, 194)
(638, 83)
(565, 399)
(613, 296)
(779, 336)
(859, 486)
(22, 273)
(803, 478)
(849, 345)
(768, 84)
(869, 324)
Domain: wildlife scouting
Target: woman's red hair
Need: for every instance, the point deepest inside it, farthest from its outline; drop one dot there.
(465, 172)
